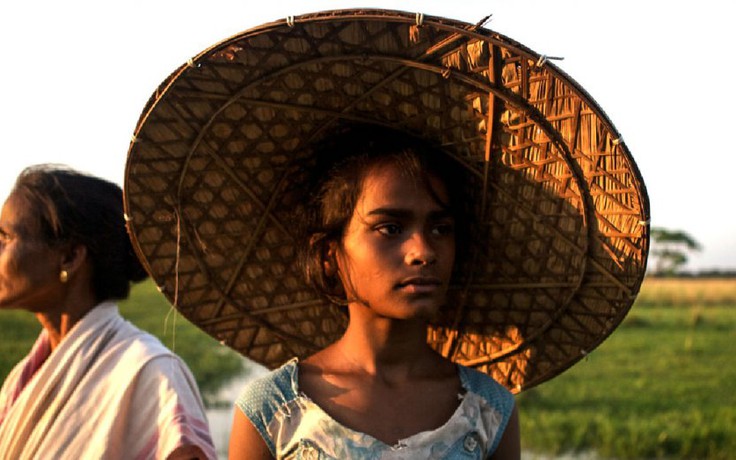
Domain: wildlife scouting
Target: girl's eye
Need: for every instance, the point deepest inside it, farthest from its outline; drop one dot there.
(389, 229)
(443, 229)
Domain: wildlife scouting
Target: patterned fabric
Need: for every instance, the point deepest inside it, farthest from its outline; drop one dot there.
(108, 391)
(294, 427)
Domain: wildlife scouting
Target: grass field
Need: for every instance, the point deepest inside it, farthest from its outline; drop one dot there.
(687, 292)
(662, 386)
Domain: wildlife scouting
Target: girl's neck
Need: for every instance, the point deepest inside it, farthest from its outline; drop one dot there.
(387, 348)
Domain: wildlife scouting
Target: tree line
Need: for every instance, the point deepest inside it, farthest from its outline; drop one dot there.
(671, 250)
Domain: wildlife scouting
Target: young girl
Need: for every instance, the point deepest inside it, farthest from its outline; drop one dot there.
(215, 174)
(382, 238)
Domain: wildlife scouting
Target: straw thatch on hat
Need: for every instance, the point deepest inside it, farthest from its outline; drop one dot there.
(213, 179)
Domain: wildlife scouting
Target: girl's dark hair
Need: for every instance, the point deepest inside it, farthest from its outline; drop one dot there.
(74, 208)
(342, 162)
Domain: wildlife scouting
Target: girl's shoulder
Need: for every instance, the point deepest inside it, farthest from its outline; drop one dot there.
(264, 395)
(492, 401)
(487, 388)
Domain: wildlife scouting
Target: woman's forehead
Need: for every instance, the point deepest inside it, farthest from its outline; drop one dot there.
(17, 216)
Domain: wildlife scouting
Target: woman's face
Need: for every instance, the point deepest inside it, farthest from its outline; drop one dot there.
(398, 249)
(29, 268)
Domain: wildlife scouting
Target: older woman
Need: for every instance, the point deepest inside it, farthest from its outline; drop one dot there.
(93, 386)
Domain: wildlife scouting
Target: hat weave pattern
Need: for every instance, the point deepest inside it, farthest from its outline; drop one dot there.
(220, 154)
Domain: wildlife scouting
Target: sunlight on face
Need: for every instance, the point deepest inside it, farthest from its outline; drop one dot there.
(29, 268)
(398, 250)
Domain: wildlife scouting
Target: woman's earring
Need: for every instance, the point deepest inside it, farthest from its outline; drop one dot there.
(64, 276)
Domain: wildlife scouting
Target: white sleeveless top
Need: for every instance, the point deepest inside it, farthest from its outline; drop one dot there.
(294, 427)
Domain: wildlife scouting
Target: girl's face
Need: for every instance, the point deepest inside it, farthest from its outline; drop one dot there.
(398, 250)
(29, 268)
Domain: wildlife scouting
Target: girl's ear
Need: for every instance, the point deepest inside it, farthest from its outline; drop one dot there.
(329, 260)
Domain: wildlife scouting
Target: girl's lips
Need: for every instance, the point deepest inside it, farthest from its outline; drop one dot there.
(420, 288)
(420, 284)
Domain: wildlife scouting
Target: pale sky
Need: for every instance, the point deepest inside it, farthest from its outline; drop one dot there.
(76, 74)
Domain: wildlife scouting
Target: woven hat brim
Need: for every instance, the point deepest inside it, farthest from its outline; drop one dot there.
(215, 172)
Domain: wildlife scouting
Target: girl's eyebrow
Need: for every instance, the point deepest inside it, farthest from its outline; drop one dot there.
(406, 213)
(391, 212)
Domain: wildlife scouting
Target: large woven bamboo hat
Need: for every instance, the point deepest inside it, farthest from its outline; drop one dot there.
(213, 178)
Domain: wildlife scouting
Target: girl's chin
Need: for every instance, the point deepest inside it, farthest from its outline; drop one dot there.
(426, 311)
(415, 306)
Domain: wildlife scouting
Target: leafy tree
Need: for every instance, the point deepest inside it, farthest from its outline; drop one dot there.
(670, 249)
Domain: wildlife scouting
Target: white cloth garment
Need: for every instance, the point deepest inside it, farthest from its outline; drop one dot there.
(108, 391)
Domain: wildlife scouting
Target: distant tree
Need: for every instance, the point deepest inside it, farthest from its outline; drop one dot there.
(670, 249)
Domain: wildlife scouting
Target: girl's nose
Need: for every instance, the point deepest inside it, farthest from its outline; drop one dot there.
(419, 250)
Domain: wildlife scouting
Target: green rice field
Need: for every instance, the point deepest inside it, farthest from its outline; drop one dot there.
(662, 386)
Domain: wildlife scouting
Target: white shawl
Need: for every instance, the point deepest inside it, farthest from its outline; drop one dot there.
(109, 390)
